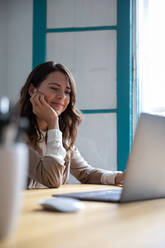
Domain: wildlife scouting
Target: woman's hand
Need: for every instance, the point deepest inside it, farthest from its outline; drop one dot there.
(119, 179)
(43, 110)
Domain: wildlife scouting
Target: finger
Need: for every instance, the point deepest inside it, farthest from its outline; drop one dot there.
(36, 92)
(33, 96)
(42, 93)
(39, 99)
(32, 99)
(35, 101)
(43, 100)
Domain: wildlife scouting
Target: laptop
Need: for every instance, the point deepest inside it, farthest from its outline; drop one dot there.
(145, 172)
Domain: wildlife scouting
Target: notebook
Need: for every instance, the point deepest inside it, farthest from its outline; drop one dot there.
(145, 171)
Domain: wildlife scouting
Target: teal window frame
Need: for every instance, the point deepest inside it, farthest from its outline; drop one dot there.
(124, 67)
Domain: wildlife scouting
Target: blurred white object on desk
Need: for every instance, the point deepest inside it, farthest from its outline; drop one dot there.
(13, 173)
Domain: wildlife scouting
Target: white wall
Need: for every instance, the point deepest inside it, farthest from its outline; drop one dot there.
(16, 19)
(3, 47)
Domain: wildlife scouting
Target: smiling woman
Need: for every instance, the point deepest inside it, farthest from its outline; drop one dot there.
(55, 90)
(48, 91)
(48, 101)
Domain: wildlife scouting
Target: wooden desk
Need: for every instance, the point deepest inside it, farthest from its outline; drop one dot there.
(138, 224)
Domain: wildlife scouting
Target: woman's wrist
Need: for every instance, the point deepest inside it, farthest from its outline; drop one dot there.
(53, 124)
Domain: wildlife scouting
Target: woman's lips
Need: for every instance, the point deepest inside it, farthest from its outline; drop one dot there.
(57, 105)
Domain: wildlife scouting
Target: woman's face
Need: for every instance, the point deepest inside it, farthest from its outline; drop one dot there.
(56, 90)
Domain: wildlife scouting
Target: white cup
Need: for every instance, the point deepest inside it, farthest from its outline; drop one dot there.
(13, 174)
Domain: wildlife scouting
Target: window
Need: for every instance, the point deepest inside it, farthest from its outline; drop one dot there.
(94, 39)
(151, 56)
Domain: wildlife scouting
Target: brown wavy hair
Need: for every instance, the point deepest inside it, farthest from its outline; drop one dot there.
(68, 120)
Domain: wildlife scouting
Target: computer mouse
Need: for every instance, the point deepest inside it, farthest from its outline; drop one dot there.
(62, 204)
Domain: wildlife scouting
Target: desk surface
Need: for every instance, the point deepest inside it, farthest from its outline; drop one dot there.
(138, 224)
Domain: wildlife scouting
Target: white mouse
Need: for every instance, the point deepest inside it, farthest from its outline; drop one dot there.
(62, 204)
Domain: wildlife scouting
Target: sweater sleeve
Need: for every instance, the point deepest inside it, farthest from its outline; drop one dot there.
(109, 177)
(85, 173)
(54, 146)
(48, 169)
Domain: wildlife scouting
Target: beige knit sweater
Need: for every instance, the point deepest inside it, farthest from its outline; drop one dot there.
(51, 165)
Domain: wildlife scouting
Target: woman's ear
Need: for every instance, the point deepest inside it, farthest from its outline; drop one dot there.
(31, 90)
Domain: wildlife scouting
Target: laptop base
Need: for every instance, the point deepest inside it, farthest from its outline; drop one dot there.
(112, 195)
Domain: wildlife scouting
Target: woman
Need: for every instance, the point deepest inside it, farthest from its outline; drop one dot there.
(48, 101)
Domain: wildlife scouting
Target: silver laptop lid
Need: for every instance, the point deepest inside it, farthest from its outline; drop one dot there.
(145, 176)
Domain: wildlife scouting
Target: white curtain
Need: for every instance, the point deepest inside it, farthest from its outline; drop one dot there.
(151, 37)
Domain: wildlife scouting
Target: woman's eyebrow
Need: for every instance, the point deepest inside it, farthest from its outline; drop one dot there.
(54, 83)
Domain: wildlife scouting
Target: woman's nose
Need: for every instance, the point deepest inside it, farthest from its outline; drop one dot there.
(61, 94)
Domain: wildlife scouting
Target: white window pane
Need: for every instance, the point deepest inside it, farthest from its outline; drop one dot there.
(91, 56)
(73, 13)
(151, 55)
(98, 143)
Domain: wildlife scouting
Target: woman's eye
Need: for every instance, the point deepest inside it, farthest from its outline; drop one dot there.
(55, 89)
(58, 90)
